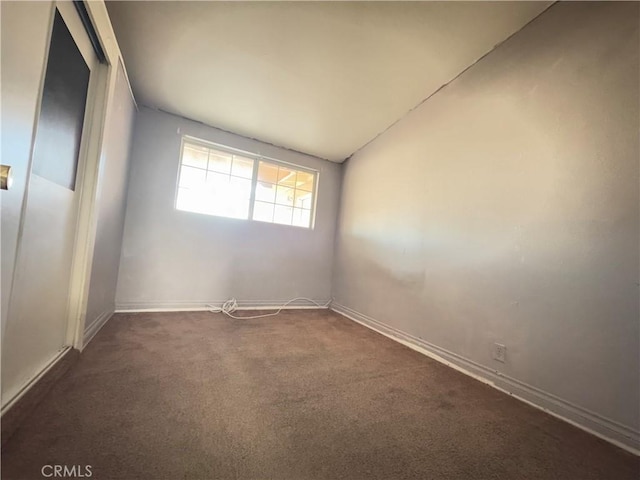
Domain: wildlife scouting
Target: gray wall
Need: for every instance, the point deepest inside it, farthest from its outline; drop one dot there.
(505, 209)
(176, 259)
(111, 196)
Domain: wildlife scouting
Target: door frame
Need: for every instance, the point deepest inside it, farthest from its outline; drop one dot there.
(88, 208)
(86, 226)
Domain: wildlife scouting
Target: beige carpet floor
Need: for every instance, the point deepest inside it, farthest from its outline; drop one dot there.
(304, 395)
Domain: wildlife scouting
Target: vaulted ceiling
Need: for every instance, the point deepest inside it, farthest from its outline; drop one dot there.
(323, 78)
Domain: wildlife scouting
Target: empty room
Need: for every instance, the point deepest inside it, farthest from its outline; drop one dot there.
(320, 240)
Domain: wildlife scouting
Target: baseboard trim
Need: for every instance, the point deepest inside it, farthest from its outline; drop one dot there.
(29, 396)
(204, 306)
(591, 422)
(95, 327)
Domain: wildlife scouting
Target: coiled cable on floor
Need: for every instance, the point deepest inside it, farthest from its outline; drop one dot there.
(231, 306)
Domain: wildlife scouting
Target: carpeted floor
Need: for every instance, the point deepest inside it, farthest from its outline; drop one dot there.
(304, 395)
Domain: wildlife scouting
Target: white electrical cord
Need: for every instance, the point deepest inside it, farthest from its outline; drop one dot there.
(231, 306)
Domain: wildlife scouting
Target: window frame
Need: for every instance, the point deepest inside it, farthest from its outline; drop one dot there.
(257, 158)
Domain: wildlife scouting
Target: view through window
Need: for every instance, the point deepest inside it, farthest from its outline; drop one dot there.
(221, 182)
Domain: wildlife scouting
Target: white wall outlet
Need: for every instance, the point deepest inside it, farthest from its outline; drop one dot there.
(499, 352)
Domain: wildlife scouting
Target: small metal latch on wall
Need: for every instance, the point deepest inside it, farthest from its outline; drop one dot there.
(6, 177)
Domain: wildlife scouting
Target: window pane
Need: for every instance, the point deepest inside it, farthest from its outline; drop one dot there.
(263, 211)
(284, 195)
(192, 177)
(232, 210)
(265, 192)
(195, 156)
(219, 161)
(217, 181)
(240, 189)
(241, 210)
(267, 172)
(301, 218)
(193, 200)
(282, 214)
(242, 167)
(302, 199)
(186, 199)
(229, 197)
(287, 177)
(304, 181)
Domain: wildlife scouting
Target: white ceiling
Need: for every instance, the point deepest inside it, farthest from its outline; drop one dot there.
(322, 78)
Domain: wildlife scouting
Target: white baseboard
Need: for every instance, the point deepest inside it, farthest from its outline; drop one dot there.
(95, 327)
(204, 306)
(33, 380)
(613, 432)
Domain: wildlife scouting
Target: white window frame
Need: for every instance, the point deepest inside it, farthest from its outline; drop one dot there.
(257, 158)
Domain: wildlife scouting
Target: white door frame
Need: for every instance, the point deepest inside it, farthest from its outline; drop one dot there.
(105, 75)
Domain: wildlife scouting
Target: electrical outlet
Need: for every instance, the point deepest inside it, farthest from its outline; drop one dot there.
(499, 352)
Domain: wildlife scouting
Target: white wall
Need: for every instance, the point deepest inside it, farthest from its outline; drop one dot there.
(111, 196)
(176, 259)
(505, 209)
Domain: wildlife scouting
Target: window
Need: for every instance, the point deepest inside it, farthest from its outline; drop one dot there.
(215, 180)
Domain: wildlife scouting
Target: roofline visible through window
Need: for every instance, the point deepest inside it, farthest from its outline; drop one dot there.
(255, 156)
